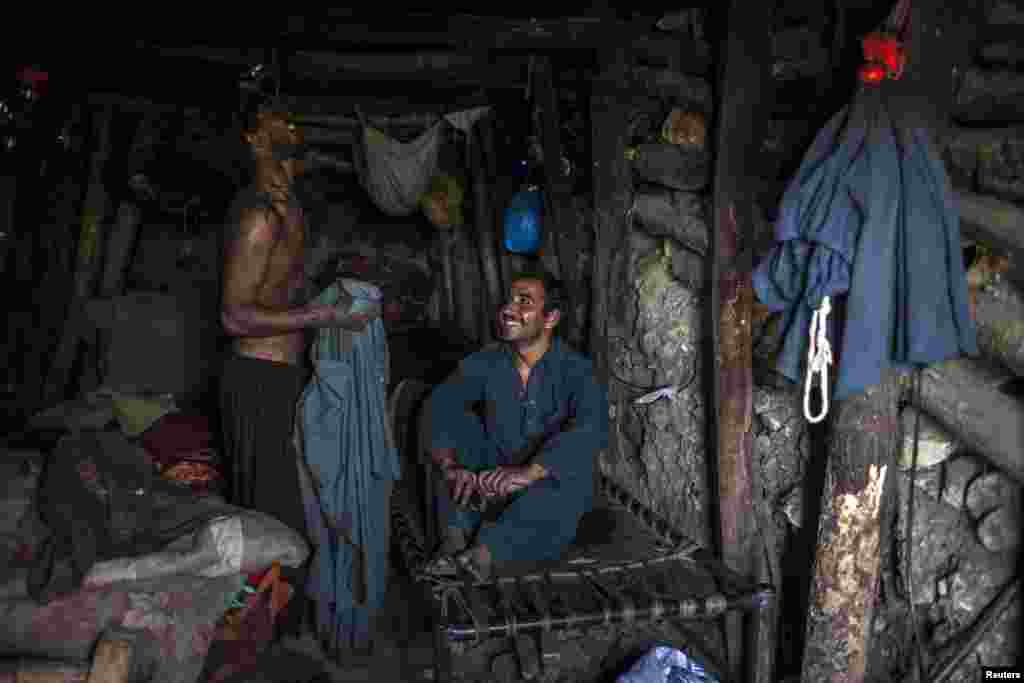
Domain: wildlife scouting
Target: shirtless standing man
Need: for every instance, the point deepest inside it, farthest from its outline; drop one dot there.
(263, 309)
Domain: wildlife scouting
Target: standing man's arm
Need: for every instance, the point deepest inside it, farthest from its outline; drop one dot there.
(246, 264)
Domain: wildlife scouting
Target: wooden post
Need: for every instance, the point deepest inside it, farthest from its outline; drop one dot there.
(863, 430)
(846, 569)
(744, 103)
(446, 297)
(112, 661)
(485, 236)
(557, 192)
(8, 192)
(89, 246)
(486, 128)
(612, 186)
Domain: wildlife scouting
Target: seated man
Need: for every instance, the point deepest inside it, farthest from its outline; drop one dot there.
(543, 419)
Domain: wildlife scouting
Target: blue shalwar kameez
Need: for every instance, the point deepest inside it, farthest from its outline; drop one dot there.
(542, 520)
(352, 464)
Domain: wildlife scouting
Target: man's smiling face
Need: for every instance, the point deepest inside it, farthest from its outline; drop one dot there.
(522, 317)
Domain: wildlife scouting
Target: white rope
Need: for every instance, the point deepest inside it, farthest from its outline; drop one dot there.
(819, 357)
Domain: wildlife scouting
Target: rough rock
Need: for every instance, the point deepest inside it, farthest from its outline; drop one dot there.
(977, 581)
(934, 443)
(939, 533)
(999, 313)
(658, 448)
(990, 491)
(958, 475)
(999, 530)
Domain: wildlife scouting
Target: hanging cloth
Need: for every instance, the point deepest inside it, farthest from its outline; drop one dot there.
(870, 214)
(349, 466)
(396, 174)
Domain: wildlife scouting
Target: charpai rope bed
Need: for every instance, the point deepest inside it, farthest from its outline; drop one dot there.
(626, 567)
(634, 576)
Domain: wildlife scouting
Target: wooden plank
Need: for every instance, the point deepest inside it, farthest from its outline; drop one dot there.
(673, 166)
(992, 221)
(963, 395)
(557, 192)
(680, 89)
(541, 35)
(746, 95)
(484, 225)
(846, 570)
(111, 662)
(862, 438)
(612, 187)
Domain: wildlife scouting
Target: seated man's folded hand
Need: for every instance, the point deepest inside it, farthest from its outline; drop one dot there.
(461, 483)
(507, 479)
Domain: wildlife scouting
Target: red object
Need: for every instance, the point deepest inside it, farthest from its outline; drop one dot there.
(35, 79)
(177, 433)
(871, 73)
(883, 52)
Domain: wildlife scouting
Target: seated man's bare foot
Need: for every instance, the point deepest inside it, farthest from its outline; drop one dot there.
(477, 561)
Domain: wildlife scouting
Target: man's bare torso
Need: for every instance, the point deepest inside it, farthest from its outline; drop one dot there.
(282, 283)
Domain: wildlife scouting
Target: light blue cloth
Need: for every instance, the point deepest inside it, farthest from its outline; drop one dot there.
(349, 451)
(666, 665)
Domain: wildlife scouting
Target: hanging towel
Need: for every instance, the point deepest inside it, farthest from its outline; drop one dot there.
(349, 466)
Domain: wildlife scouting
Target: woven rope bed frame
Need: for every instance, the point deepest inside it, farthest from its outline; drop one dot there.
(649, 573)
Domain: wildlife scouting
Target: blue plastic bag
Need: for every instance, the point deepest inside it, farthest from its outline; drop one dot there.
(666, 665)
(523, 221)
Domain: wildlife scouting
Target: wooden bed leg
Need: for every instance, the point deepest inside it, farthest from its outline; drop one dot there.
(112, 661)
(442, 656)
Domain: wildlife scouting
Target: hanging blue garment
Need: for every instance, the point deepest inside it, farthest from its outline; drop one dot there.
(350, 455)
(870, 214)
(523, 221)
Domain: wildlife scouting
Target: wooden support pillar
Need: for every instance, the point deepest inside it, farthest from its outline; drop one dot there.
(862, 438)
(860, 451)
(484, 223)
(612, 186)
(446, 246)
(111, 662)
(486, 128)
(8, 192)
(745, 98)
(557, 191)
(89, 250)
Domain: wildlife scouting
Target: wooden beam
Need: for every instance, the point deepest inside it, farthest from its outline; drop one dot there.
(963, 395)
(612, 188)
(745, 97)
(673, 166)
(999, 313)
(680, 89)
(111, 663)
(846, 571)
(992, 221)
(863, 430)
(543, 35)
(674, 214)
(558, 193)
(484, 225)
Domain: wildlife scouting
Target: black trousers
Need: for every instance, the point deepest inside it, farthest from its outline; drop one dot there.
(257, 401)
